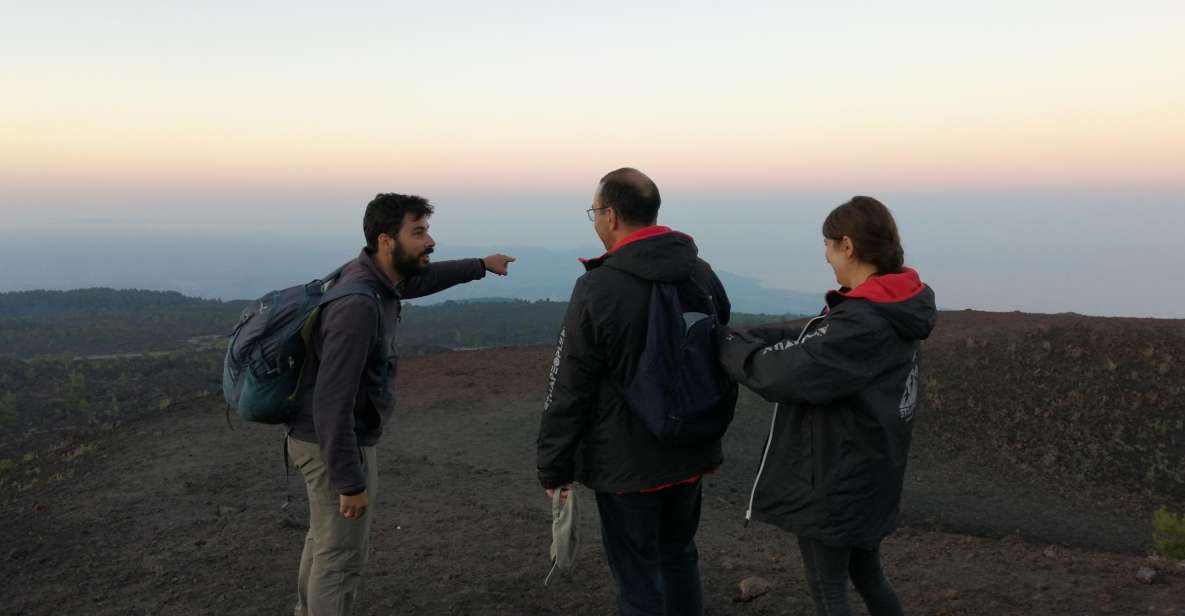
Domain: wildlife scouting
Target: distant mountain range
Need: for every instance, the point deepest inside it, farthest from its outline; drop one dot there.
(243, 268)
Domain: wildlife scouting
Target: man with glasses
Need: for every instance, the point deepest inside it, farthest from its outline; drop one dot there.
(648, 493)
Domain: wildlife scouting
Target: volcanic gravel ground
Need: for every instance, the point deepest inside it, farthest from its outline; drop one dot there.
(177, 514)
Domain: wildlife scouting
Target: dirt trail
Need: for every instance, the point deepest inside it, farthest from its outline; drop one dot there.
(177, 515)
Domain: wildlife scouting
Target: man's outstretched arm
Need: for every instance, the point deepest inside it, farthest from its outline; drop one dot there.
(445, 274)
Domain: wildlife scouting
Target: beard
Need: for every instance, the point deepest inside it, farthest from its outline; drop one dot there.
(409, 265)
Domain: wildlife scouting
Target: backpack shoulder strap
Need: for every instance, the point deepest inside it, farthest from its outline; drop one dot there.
(707, 295)
(338, 291)
(333, 291)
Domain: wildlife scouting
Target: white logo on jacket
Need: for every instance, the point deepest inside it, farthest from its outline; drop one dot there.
(789, 344)
(555, 369)
(909, 398)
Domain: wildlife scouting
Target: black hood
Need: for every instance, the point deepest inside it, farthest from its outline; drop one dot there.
(654, 253)
(914, 318)
(901, 298)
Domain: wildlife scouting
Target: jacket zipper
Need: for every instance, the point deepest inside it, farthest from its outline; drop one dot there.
(770, 439)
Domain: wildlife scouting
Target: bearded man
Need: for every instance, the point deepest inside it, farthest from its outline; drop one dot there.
(347, 393)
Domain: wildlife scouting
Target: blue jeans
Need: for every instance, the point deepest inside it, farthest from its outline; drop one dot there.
(828, 569)
(650, 545)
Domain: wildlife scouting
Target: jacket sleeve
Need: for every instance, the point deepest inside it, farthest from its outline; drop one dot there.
(574, 378)
(836, 360)
(774, 332)
(442, 275)
(346, 332)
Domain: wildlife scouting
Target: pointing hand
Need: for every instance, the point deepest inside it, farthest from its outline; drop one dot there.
(498, 264)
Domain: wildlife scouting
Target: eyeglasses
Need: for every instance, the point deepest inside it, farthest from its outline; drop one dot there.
(592, 217)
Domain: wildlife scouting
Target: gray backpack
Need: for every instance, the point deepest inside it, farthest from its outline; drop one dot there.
(267, 349)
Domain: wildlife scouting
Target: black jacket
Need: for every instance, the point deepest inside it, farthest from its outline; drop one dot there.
(347, 387)
(847, 390)
(588, 433)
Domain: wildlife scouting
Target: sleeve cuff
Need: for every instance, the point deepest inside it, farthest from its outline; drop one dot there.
(550, 483)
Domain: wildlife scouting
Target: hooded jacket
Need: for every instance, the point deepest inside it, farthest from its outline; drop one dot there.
(588, 432)
(847, 390)
(347, 387)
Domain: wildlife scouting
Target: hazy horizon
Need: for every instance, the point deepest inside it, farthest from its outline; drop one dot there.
(1093, 255)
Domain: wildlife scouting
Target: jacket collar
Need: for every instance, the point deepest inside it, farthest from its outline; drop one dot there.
(644, 233)
(886, 289)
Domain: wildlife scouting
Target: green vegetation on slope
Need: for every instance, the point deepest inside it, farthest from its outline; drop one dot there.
(104, 321)
(1169, 534)
(40, 324)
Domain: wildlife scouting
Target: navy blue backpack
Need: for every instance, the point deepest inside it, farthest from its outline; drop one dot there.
(679, 390)
(266, 353)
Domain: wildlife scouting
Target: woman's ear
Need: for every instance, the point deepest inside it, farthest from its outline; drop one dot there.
(849, 249)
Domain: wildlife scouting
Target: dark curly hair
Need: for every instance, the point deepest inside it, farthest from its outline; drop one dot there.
(384, 214)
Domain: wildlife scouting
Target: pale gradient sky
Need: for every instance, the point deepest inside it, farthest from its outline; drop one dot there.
(1023, 145)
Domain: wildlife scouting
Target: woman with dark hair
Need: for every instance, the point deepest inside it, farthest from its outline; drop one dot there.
(846, 390)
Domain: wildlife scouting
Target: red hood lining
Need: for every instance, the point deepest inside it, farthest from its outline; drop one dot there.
(644, 233)
(886, 289)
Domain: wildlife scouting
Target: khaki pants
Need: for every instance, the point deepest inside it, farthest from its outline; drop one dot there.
(335, 548)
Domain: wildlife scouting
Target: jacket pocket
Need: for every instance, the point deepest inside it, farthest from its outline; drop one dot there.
(793, 448)
(852, 486)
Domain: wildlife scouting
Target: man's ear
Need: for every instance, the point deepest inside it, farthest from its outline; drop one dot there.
(614, 221)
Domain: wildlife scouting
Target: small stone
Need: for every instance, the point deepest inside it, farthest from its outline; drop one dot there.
(289, 522)
(1050, 552)
(1161, 564)
(225, 511)
(952, 594)
(1146, 575)
(753, 587)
